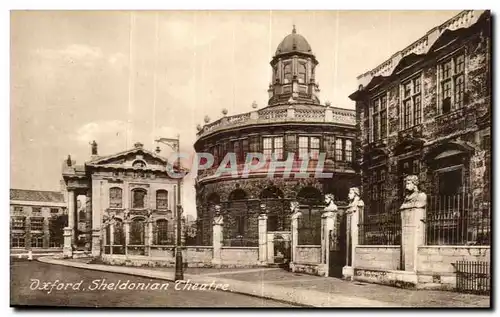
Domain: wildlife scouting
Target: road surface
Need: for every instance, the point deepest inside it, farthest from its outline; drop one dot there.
(85, 288)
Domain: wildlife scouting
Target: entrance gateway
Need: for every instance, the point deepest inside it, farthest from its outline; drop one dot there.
(338, 247)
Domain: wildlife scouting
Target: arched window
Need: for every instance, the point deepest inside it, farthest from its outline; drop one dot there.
(162, 236)
(287, 73)
(137, 232)
(115, 197)
(162, 199)
(118, 234)
(139, 198)
(139, 164)
(302, 73)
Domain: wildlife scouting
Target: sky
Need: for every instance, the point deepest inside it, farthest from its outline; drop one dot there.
(120, 77)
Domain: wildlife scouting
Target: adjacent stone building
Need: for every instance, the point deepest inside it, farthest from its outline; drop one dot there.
(427, 111)
(37, 219)
(294, 121)
(130, 201)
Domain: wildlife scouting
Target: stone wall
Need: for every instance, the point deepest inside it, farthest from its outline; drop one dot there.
(436, 267)
(239, 256)
(378, 257)
(308, 254)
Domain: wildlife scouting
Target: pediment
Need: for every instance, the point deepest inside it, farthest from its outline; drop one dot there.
(133, 159)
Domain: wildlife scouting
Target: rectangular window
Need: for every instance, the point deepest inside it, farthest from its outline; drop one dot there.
(37, 241)
(411, 103)
(452, 83)
(273, 145)
(36, 210)
(17, 223)
(18, 209)
(54, 210)
(348, 150)
(379, 117)
(303, 146)
(36, 224)
(17, 241)
(314, 148)
(376, 185)
(115, 197)
(343, 150)
(309, 147)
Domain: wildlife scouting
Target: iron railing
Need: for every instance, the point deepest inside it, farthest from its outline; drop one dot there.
(380, 224)
(455, 220)
(473, 277)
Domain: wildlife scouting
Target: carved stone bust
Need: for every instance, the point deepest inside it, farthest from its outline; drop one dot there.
(218, 217)
(330, 205)
(414, 198)
(354, 200)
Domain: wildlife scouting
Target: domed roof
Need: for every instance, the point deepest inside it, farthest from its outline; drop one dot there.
(293, 43)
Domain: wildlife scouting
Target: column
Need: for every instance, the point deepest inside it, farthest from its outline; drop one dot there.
(295, 233)
(217, 240)
(71, 214)
(126, 229)
(69, 230)
(46, 233)
(328, 220)
(148, 237)
(88, 220)
(263, 238)
(111, 235)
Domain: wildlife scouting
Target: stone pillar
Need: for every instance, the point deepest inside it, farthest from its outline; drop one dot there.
(126, 229)
(46, 233)
(263, 238)
(295, 234)
(354, 214)
(71, 214)
(412, 225)
(148, 237)
(67, 249)
(217, 239)
(412, 235)
(328, 220)
(111, 236)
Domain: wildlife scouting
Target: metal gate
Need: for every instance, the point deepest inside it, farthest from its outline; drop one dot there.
(337, 247)
(282, 248)
(473, 277)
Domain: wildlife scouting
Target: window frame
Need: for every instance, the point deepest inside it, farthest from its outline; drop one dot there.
(310, 147)
(377, 126)
(144, 201)
(273, 149)
(161, 191)
(39, 220)
(456, 96)
(111, 189)
(410, 111)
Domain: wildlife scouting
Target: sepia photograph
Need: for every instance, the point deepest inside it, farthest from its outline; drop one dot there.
(250, 158)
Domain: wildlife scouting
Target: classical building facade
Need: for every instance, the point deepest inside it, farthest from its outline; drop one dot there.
(37, 219)
(129, 203)
(427, 111)
(294, 122)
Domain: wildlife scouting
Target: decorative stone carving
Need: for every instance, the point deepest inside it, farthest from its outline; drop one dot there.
(354, 200)
(414, 198)
(330, 205)
(218, 217)
(206, 119)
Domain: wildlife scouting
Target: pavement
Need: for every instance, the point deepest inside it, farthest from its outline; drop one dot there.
(299, 289)
(90, 289)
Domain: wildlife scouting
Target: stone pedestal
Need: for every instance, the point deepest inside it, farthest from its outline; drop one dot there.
(412, 235)
(263, 239)
(71, 214)
(68, 248)
(217, 240)
(328, 229)
(295, 234)
(354, 213)
(96, 242)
